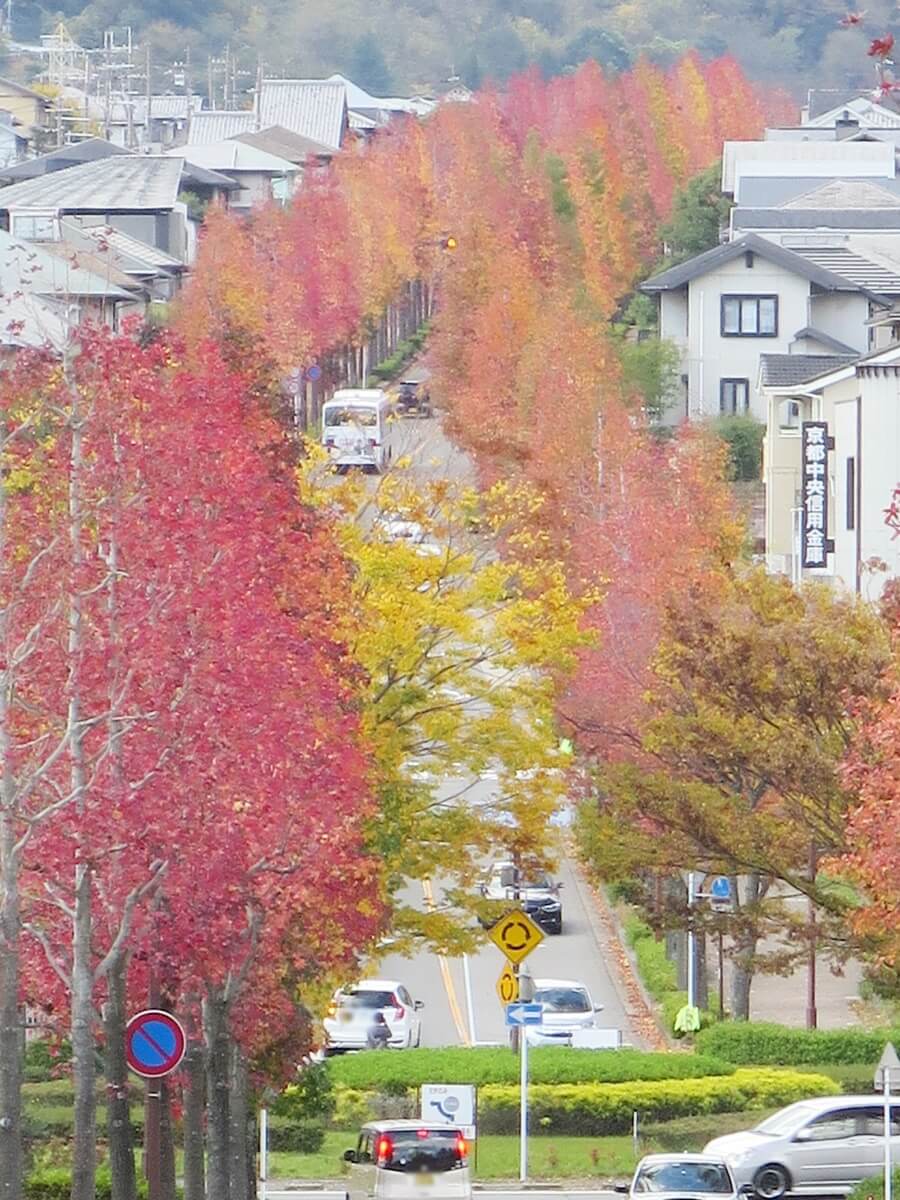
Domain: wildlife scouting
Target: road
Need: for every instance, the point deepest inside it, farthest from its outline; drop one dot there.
(577, 953)
(536, 1193)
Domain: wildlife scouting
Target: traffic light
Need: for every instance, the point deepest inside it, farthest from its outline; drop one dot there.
(449, 243)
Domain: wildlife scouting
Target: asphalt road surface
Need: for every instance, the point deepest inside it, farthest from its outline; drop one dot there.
(535, 1193)
(451, 1015)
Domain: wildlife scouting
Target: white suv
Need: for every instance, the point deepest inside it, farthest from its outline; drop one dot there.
(356, 1011)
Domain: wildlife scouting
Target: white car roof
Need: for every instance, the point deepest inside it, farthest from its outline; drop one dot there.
(566, 983)
(387, 1126)
(652, 1160)
(373, 985)
(345, 394)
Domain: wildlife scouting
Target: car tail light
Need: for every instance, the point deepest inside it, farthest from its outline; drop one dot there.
(399, 1010)
(384, 1148)
(332, 1009)
(461, 1148)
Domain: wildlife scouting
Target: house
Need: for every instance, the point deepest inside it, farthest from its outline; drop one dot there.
(60, 159)
(379, 109)
(799, 159)
(155, 122)
(260, 176)
(141, 195)
(727, 307)
(861, 213)
(856, 403)
(13, 145)
(61, 292)
(27, 108)
(313, 108)
(206, 128)
(156, 273)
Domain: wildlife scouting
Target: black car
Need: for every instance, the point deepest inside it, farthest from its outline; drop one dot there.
(538, 896)
(414, 398)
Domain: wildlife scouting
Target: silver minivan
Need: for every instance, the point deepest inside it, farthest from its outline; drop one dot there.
(409, 1160)
(828, 1144)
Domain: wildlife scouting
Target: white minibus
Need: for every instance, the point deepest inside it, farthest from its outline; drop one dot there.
(358, 429)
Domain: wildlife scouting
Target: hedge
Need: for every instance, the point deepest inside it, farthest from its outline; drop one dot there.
(873, 1187)
(373, 1069)
(55, 1183)
(596, 1109)
(746, 1042)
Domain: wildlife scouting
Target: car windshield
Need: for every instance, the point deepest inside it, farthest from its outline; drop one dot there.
(350, 414)
(364, 998)
(563, 999)
(427, 1150)
(787, 1120)
(684, 1177)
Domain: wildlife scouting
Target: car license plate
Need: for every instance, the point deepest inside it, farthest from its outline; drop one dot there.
(425, 1180)
(346, 1017)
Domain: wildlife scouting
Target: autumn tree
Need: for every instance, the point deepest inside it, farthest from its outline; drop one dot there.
(752, 710)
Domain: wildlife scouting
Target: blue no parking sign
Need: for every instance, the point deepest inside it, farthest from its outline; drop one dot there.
(154, 1043)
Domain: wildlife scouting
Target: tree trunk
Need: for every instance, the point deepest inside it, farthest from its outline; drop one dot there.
(166, 1142)
(741, 982)
(10, 1016)
(84, 1148)
(237, 1112)
(217, 1125)
(194, 1102)
(746, 940)
(118, 1113)
(700, 946)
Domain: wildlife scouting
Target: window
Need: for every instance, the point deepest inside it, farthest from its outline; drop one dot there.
(871, 1120)
(688, 1177)
(734, 395)
(749, 316)
(851, 493)
(833, 1126)
(789, 416)
(414, 1151)
(564, 999)
(35, 228)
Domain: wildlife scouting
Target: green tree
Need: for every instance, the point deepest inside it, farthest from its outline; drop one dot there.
(698, 211)
(744, 437)
(650, 370)
(368, 67)
(752, 705)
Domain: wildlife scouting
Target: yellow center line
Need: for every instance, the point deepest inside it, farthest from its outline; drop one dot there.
(446, 975)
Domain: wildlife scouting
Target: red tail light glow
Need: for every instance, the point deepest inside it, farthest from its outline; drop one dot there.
(383, 1150)
(461, 1147)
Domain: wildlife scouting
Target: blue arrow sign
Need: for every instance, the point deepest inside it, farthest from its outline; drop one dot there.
(524, 1014)
(721, 888)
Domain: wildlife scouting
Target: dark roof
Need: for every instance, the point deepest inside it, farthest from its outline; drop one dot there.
(57, 160)
(824, 339)
(284, 143)
(823, 100)
(203, 177)
(810, 218)
(793, 370)
(701, 264)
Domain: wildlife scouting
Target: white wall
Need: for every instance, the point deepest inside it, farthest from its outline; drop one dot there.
(713, 357)
(843, 315)
(880, 472)
(844, 433)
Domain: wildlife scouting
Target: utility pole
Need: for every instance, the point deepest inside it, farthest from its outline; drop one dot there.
(148, 127)
(812, 1016)
(210, 85)
(257, 100)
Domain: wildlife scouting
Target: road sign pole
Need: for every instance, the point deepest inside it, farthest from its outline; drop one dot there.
(263, 1152)
(888, 1164)
(523, 1105)
(470, 1007)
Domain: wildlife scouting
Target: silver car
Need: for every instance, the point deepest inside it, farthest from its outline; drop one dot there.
(682, 1177)
(827, 1144)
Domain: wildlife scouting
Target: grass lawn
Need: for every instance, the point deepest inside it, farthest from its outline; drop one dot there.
(498, 1158)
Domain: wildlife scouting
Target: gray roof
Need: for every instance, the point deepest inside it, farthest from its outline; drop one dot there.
(845, 193)
(170, 107)
(315, 108)
(136, 257)
(760, 191)
(283, 144)
(20, 89)
(193, 175)
(701, 264)
(823, 100)
(866, 273)
(793, 370)
(28, 267)
(89, 150)
(824, 339)
(208, 127)
(126, 183)
(234, 155)
(810, 218)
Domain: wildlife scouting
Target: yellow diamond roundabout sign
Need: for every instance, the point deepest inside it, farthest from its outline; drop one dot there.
(516, 935)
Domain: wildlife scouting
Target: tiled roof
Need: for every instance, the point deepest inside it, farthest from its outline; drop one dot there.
(89, 150)
(846, 193)
(811, 334)
(864, 272)
(232, 155)
(171, 107)
(793, 370)
(208, 127)
(28, 267)
(128, 182)
(137, 257)
(283, 144)
(810, 218)
(315, 108)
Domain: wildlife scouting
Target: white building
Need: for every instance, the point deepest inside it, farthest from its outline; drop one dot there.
(726, 308)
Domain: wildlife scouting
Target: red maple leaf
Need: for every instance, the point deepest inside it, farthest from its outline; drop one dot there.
(881, 47)
(852, 18)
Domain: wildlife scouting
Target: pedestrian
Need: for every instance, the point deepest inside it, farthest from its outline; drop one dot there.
(380, 1033)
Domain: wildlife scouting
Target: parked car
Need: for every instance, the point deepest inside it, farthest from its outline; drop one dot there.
(351, 1020)
(408, 1160)
(821, 1145)
(567, 1006)
(537, 894)
(682, 1177)
(414, 398)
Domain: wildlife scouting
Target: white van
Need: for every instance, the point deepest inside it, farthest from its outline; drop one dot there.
(358, 429)
(409, 1160)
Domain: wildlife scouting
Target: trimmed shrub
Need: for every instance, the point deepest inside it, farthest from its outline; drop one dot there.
(352, 1108)
(44, 1058)
(657, 972)
(300, 1135)
(745, 1042)
(374, 1070)
(55, 1183)
(692, 1133)
(597, 1109)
